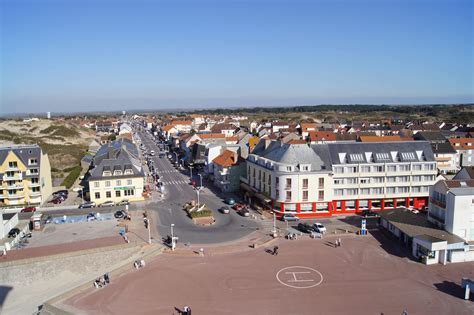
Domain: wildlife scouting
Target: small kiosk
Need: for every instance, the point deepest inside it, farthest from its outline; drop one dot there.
(36, 221)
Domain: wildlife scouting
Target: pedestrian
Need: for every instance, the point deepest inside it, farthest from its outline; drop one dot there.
(107, 278)
(275, 250)
(186, 310)
(339, 242)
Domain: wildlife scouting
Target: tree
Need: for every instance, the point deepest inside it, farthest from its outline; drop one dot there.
(112, 137)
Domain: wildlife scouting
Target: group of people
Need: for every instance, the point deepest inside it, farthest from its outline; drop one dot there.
(139, 263)
(292, 236)
(102, 281)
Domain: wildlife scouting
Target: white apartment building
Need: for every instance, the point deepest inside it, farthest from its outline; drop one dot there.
(338, 178)
(288, 178)
(452, 208)
(381, 175)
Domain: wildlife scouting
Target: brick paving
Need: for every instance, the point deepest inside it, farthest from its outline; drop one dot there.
(366, 275)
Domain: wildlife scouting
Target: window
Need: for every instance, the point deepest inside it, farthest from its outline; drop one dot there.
(288, 183)
(321, 195)
(339, 170)
(305, 195)
(12, 164)
(339, 181)
(416, 178)
(391, 168)
(289, 168)
(364, 181)
(408, 156)
(96, 184)
(391, 179)
(339, 192)
(365, 191)
(365, 169)
(417, 167)
(117, 193)
(404, 168)
(269, 179)
(390, 190)
(107, 183)
(118, 182)
(117, 172)
(129, 182)
(402, 179)
(429, 177)
(305, 183)
(97, 195)
(378, 179)
(128, 171)
(321, 183)
(107, 173)
(403, 189)
(351, 180)
(351, 169)
(351, 192)
(416, 189)
(277, 194)
(33, 161)
(277, 180)
(288, 196)
(429, 167)
(108, 194)
(129, 192)
(305, 168)
(378, 169)
(377, 191)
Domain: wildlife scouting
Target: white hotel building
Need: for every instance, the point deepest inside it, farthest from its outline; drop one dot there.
(337, 178)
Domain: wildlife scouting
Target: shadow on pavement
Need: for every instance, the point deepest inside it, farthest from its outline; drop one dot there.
(452, 288)
(4, 290)
(392, 245)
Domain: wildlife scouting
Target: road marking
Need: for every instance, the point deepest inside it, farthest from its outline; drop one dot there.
(299, 277)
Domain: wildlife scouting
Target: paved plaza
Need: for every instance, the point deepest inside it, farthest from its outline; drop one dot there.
(366, 275)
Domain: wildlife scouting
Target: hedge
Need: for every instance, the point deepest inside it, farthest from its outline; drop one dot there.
(201, 214)
(72, 176)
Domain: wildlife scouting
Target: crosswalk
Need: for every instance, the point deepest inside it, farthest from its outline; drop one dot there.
(267, 225)
(175, 182)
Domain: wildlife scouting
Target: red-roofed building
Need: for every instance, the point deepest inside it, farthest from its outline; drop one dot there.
(321, 137)
(228, 168)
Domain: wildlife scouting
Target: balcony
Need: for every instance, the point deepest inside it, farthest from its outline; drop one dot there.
(13, 168)
(15, 186)
(35, 193)
(34, 184)
(17, 176)
(17, 195)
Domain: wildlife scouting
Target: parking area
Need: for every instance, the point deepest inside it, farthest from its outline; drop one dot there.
(366, 275)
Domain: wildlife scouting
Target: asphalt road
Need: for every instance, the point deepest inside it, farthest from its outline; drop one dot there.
(228, 227)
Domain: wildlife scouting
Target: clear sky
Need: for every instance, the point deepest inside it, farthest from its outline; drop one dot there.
(76, 55)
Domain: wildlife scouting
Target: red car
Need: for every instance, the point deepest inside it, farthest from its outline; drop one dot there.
(238, 206)
(29, 209)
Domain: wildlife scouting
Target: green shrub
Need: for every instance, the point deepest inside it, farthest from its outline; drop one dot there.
(201, 214)
(72, 176)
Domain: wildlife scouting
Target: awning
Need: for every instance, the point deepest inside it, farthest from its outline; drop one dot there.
(263, 197)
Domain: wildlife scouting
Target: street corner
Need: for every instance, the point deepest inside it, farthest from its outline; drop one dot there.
(299, 277)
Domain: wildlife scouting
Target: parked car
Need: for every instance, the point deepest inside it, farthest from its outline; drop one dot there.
(224, 209)
(290, 217)
(107, 204)
(305, 228)
(124, 202)
(318, 227)
(28, 209)
(119, 214)
(13, 232)
(238, 206)
(230, 201)
(369, 214)
(87, 205)
(244, 212)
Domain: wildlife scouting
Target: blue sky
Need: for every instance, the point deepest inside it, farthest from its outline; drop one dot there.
(112, 55)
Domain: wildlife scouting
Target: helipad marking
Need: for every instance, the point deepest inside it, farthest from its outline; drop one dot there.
(302, 277)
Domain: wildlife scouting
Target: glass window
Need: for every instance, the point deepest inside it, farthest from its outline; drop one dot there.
(129, 182)
(305, 195)
(288, 183)
(321, 182)
(365, 191)
(117, 193)
(321, 195)
(107, 183)
(97, 195)
(305, 183)
(118, 182)
(288, 196)
(365, 169)
(108, 194)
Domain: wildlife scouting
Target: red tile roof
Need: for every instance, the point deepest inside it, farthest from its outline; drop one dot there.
(226, 159)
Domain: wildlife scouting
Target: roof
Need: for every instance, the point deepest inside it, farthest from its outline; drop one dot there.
(380, 152)
(469, 170)
(462, 143)
(181, 122)
(432, 136)
(211, 135)
(459, 183)
(280, 123)
(226, 159)
(217, 128)
(306, 126)
(167, 128)
(291, 154)
(23, 151)
(383, 139)
(296, 141)
(442, 148)
(416, 225)
(322, 136)
(116, 159)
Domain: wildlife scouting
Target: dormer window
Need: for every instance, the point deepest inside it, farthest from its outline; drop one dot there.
(128, 171)
(117, 172)
(107, 173)
(32, 161)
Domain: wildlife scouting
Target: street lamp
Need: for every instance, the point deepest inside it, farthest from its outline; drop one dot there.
(197, 192)
(200, 178)
(274, 223)
(149, 230)
(172, 237)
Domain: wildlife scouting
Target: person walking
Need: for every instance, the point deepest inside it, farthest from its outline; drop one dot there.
(275, 251)
(339, 242)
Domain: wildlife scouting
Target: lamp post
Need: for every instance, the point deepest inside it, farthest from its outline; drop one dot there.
(172, 237)
(149, 231)
(200, 177)
(197, 192)
(274, 223)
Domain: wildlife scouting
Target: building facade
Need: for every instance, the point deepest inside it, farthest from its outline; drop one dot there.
(339, 178)
(117, 174)
(25, 175)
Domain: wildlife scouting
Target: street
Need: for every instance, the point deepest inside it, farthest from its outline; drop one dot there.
(228, 227)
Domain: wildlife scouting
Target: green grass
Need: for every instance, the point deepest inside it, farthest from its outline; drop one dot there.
(72, 176)
(201, 214)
